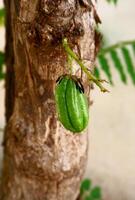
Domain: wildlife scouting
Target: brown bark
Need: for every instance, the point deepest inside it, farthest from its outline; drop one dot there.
(42, 160)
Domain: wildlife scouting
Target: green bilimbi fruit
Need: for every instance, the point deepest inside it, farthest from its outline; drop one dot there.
(71, 104)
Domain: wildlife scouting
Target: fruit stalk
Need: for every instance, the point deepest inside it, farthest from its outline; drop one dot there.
(91, 77)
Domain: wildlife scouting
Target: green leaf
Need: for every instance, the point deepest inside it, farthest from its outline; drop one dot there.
(96, 193)
(129, 63)
(112, 1)
(133, 46)
(105, 67)
(2, 59)
(118, 65)
(88, 198)
(2, 76)
(96, 72)
(85, 186)
(2, 16)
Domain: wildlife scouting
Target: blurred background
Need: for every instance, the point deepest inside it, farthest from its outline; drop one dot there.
(111, 162)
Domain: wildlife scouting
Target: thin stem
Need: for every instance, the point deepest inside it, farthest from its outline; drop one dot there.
(91, 77)
(117, 45)
(70, 63)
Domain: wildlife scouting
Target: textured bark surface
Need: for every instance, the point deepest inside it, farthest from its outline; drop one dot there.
(42, 160)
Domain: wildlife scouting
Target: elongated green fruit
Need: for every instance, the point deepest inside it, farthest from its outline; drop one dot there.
(71, 104)
(61, 104)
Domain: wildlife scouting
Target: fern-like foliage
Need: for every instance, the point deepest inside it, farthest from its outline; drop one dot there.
(121, 56)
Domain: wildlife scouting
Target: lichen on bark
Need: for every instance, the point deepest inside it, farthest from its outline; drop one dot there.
(42, 160)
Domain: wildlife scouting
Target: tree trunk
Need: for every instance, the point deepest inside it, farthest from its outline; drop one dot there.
(42, 160)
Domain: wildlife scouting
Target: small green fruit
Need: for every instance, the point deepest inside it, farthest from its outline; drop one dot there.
(71, 104)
